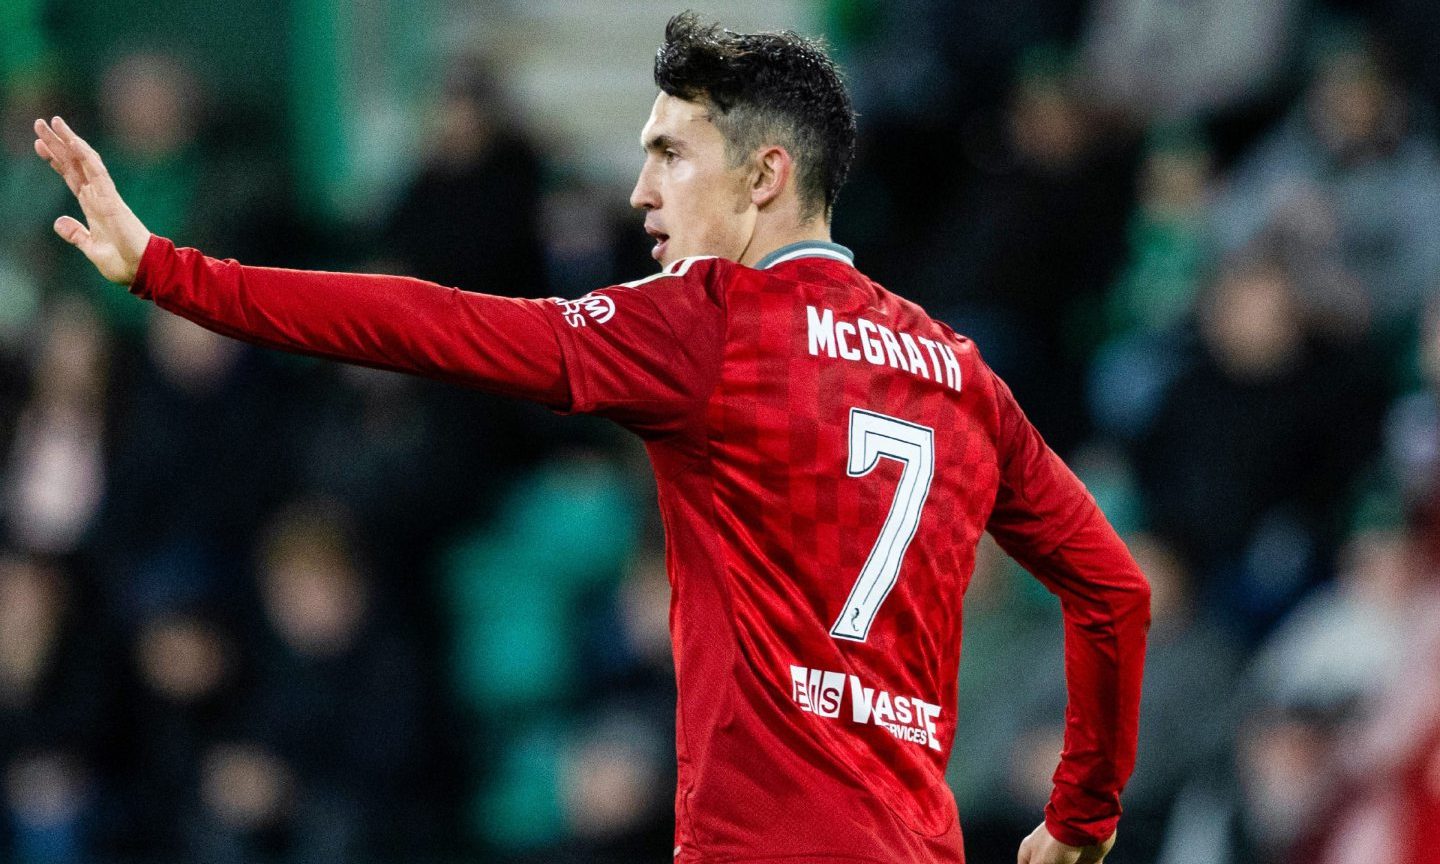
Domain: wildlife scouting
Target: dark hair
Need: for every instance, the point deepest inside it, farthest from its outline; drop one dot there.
(766, 88)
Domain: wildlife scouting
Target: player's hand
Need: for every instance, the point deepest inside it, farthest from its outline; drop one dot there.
(112, 238)
(1041, 848)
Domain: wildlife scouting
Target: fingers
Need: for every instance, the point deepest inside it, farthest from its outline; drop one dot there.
(43, 150)
(70, 155)
(89, 160)
(52, 140)
(72, 232)
(50, 148)
(71, 178)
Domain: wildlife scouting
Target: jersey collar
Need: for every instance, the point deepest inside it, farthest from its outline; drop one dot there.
(806, 249)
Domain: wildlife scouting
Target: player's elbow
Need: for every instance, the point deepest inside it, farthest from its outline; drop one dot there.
(1133, 600)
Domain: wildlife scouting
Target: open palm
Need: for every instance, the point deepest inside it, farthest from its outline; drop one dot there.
(111, 236)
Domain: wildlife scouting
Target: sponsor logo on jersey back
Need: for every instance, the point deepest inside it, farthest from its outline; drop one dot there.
(824, 693)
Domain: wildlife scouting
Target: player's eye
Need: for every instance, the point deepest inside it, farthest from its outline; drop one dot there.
(671, 156)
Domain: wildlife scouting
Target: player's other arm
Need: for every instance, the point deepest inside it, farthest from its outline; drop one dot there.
(499, 344)
(1046, 519)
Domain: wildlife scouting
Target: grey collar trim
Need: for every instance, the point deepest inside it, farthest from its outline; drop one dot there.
(807, 249)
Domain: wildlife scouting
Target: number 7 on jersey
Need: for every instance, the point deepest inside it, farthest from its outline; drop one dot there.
(871, 437)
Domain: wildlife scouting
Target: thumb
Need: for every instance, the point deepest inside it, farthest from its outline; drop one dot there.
(72, 232)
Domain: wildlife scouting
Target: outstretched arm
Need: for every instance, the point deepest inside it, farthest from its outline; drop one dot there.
(643, 354)
(498, 344)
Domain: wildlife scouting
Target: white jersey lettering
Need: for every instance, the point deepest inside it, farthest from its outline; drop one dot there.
(880, 346)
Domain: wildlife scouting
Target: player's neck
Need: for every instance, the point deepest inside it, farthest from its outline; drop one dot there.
(767, 240)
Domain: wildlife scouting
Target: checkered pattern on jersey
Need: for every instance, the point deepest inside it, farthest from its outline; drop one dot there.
(798, 530)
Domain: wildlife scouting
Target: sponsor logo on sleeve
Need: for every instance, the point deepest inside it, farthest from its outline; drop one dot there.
(594, 307)
(824, 694)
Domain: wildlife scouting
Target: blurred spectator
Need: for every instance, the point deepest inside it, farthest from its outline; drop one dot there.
(1244, 468)
(372, 439)
(188, 679)
(334, 710)
(152, 122)
(1002, 766)
(197, 461)
(1154, 297)
(54, 703)
(925, 75)
(1312, 786)
(1170, 242)
(1022, 263)
(589, 242)
(415, 461)
(1341, 644)
(617, 775)
(615, 781)
(471, 217)
(250, 809)
(1334, 304)
(1388, 798)
(1287, 762)
(56, 473)
(1354, 156)
(1174, 60)
(247, 811)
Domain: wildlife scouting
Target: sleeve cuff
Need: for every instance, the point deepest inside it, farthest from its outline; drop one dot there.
(1079, 817)
(1090, 834)
(146, 274)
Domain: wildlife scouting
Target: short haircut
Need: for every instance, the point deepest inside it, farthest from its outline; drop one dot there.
(766, 88)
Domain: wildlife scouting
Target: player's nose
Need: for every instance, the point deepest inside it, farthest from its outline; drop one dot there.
(643, 196)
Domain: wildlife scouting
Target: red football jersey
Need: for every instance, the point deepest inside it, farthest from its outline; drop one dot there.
(827, 456)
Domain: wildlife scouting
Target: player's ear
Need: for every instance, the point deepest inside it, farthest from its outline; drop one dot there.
(772, 169)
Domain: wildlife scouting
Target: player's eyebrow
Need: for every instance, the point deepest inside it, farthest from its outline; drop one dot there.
(660, 143)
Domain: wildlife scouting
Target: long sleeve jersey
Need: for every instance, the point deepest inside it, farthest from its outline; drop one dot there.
(826, 456)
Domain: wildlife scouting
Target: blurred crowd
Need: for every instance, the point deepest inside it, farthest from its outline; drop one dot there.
(263, 608)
